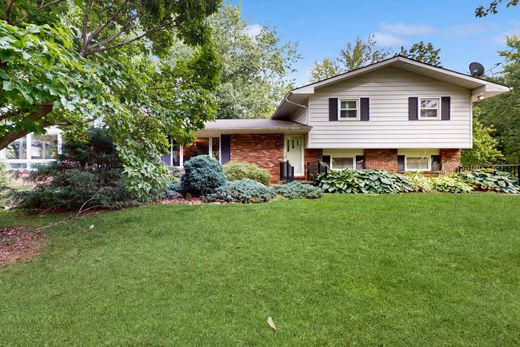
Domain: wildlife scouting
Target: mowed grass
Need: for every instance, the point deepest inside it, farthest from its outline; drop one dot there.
(420, 270)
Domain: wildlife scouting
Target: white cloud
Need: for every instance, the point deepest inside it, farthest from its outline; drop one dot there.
(388, 40)
(468, 29)
(500, 39)
(253, 30)
(402, 29)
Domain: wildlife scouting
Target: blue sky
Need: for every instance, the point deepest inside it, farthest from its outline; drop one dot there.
(322, 28)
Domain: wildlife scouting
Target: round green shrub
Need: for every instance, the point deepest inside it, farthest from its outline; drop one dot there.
(243, 191)
(419, 182)
(490, 180)
(297, 190)
(447, 184)
(236, 170)
(203, 175)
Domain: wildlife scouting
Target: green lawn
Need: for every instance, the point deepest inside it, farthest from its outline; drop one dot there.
(416, 270)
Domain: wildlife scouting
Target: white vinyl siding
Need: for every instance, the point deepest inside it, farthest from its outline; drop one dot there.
(301, 117)
(389, 126)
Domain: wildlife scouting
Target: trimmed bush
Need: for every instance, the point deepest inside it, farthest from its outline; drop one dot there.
(490, 180)
(447, 184)
(419, 182)
(363, 182)
(243, 191)
(236, 170)
(203, 175)
(174, 190)
(297, 190)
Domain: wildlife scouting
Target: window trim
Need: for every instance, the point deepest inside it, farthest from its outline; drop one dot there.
(358, 111)
(429, 158)
(28, 161)
(343, 157)
(439, 106)
(210, 150)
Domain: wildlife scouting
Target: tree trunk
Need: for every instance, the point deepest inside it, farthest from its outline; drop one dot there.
(41, 111)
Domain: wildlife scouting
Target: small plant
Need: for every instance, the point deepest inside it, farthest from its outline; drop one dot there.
(203, 175)
(363, 182)
(243, 191)
(447, 184)
(419, 182)
(174, 190)
(236, 170)
(297, 190)
(490, 180)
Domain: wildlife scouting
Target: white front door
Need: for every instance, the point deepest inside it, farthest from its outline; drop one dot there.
(294, 152)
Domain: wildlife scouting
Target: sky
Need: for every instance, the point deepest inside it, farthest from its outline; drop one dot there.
(322, 28)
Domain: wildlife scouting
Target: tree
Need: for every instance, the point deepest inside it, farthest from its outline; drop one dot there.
(425, 53)
(363, 53)
(255, 66)
(503, 112)
(492, 8)
(104, 60)
(485, 146)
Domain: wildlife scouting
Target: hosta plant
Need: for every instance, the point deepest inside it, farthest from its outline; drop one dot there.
(363, 182)
(490, 180)
(447, 184)
(419, 182)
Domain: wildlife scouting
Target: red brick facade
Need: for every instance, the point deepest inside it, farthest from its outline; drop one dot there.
(450, 160)
(381, 159)
(311, 156)
(265, 150)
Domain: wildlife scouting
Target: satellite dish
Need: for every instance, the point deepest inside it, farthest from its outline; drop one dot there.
(476, 69)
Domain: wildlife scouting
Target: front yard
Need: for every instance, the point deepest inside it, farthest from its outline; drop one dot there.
(416, 269)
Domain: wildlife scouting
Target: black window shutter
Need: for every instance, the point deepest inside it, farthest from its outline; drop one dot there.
(436, 163)
(365, 109)
(413, 108)
(445, 108)
(326, 159)
(360, 162)
(400, 162)
(225, 148)
(333, 109)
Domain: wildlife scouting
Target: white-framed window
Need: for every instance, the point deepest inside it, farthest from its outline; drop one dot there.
(348, 109)
(417, 163)
(429, 108)
(31, 150)
(201, 146)
(342, 163)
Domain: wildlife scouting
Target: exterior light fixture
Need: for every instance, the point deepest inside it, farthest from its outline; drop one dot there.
(481, 97)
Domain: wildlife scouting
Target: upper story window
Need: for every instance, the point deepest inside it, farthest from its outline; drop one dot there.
(429, 108)
(348, 109)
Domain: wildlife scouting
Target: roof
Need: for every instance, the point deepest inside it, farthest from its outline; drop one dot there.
(479, 87)
(252, 126)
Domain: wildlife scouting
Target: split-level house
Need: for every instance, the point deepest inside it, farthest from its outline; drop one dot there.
(398, 114)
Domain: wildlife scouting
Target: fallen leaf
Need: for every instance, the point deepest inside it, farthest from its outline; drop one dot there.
(271, 322)
(91, 226)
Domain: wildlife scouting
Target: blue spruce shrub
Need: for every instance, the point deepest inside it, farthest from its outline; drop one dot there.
(297, 190)
(174, 190)
(203, 175)
(243, 191)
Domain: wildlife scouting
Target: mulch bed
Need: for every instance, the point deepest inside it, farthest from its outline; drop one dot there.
(189, 201)
(18, 245)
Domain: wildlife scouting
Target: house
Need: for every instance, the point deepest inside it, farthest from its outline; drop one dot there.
(398, 114)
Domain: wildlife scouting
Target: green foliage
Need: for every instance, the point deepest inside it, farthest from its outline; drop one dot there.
(485, 146)
(419, 182)
(87, 174)
(297, 190)
(203, 176)
(173, 190)
(490, 180)
(363, 182)
(492, 8)
(422, 52)
(241, 191)
(236, 170)
(447, 184)
(5, 185)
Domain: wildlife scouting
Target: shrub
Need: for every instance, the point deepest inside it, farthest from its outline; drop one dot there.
(447, 184)
(419, 182)
(174, 190)
(243, 191)
(87, 173)
(203, 175)
(490, 180)
(235, 170)
(363, 181)
(297, 190)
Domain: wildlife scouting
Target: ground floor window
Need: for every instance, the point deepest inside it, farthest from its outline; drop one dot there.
(31, 150)
(201, 146)
(342, 163)
(417, 163)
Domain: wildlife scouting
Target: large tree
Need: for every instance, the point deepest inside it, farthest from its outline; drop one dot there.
(492, 8)
(362, 53)
(485, 147)
(68, 63)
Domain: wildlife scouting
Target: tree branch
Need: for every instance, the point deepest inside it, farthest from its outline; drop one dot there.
(39, 9)
(149, 32)
(7, 10)
(110, 39)
(84, 28)
(108, 22)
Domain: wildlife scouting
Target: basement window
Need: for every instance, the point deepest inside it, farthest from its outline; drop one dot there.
(417, 163)
(342, 163)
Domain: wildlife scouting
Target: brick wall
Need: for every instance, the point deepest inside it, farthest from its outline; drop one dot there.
(260, 149)
(381, 159)
(312, 156)
(450, 160)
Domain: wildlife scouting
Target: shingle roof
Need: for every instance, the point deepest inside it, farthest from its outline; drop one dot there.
(230, 126)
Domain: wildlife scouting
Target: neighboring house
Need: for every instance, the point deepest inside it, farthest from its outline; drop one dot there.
(398, 114)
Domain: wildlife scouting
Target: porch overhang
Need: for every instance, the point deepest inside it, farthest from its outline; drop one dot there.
(251, 126)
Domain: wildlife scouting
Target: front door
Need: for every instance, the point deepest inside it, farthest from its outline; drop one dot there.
(294, 152)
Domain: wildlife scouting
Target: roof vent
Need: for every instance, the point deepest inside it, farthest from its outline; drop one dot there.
(476, 69)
